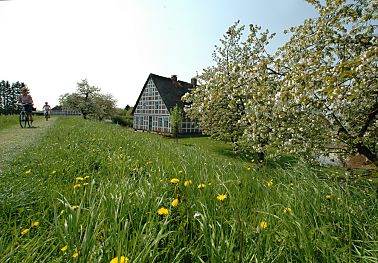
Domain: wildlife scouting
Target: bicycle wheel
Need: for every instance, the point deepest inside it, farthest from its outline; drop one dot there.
(23, 119)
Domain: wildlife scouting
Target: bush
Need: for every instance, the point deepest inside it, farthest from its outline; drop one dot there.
(122, 120)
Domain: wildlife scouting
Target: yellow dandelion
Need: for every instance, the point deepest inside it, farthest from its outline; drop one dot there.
(222, 197)
(53, 172)
(263, 224)
(35, 224)
(248, 168)
(175, 180)
(175, 202)
(122, 259)
(25, 231)
(163, 211)
(64, 248)
(77, 186)
(86, 177)
(188, 183)
(79, 178)
(27, 172)
(62, 212)
(201, 186)
(287, 210)
(85, 184)
(328, 197)
(75, 255)
(269, 183)
(75, 207)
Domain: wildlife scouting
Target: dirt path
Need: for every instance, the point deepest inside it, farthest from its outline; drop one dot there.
(13, 140)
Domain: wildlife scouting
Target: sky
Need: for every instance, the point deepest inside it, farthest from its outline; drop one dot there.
(50, 45)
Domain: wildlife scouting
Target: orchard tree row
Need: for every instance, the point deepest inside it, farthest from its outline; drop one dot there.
(9, 96)
(89, 101)
(317, 94)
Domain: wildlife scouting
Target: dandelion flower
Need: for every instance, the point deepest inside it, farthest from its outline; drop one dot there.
(28, 172)
(263, 224)
(86, 177)
(175, 202)
(120, 260)
(269, 183)
(201, 186)
(35, 224)
(175, 180)
(222, 197)
(75, 255)
(74, 206)
(188, 183)
(25, 231)
(77, 186)
(163, 211)
(287, 210)
(53, 172)
(62, 212)
(85, 184)
(64, 248)
(328, 197)
(79, 178)
(248, 168)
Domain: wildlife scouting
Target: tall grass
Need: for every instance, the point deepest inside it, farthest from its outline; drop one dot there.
(97, 188)
(8, 121)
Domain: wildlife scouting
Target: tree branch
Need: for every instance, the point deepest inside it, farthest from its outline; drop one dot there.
(369, 120)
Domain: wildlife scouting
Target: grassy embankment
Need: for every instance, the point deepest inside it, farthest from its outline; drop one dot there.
(92, 191)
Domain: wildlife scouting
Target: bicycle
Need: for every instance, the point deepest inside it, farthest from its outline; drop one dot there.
(24, 117)
(46, 113)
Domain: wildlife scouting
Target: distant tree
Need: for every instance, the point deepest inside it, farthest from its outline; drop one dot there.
(104, 106)
(86, 94)
(88, 101)
(2, 96)
(9, 96)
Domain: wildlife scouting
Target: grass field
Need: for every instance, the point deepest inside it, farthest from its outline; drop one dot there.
(90, 192)
(7, 121)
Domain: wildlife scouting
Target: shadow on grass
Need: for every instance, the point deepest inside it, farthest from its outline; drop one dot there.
(283, 161)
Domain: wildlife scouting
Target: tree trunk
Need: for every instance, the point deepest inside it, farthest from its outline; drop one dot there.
(362, 149)
(261, 156)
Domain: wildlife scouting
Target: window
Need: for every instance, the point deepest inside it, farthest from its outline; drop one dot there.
(165, 122)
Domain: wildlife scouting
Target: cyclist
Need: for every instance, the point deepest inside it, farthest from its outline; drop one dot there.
(46, 110)
(27, 101)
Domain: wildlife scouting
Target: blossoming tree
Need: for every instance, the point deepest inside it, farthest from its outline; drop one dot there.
(317, 94)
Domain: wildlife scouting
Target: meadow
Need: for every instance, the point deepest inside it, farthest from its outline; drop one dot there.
(92, 192)
(8, 121)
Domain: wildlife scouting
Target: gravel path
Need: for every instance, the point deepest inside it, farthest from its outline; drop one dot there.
(13, 140)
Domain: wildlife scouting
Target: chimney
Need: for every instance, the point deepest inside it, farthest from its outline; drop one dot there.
(193, 81)
(175, 82)
(174, 78)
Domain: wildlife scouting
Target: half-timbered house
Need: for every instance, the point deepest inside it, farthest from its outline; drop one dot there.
(158, 97)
